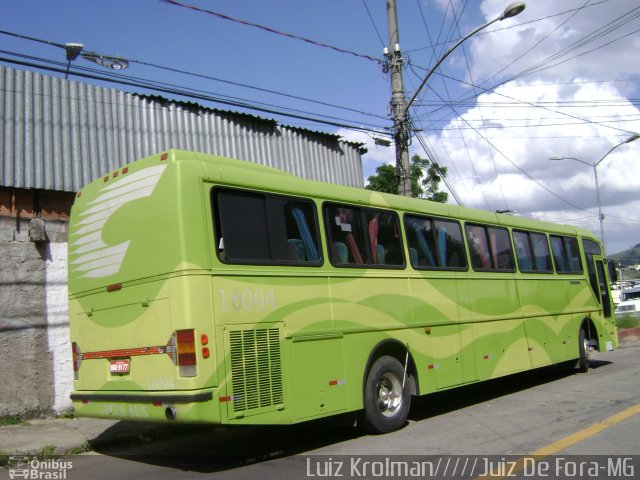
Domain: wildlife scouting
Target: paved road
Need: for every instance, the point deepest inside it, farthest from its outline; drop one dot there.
(545, 411)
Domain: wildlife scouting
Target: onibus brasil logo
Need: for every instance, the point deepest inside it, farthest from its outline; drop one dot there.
(24, 466)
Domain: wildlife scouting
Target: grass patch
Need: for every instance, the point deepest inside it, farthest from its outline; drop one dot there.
(67, 414)
(47, 451)
(86, 447)
(628, 320)
(12, 421)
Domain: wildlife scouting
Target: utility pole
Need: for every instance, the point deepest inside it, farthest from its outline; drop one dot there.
(398, 102)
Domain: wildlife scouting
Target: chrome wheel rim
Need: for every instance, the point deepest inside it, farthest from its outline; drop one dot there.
(587, 348)
(389, 392)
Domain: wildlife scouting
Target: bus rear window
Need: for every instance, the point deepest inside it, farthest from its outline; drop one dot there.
(259, 228)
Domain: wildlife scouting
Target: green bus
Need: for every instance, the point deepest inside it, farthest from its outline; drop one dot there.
(212, 290)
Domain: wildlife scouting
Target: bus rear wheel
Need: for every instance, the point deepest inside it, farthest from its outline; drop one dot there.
(386, 400)
(583, 348)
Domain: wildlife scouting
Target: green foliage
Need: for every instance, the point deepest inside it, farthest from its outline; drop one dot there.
(628, 320)
(425, 180)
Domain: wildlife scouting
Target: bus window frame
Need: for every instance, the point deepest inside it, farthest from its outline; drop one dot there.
(528, 233)
(581, 256)
(491, 255)
(217, 228)
(367, 248)
(432, 220)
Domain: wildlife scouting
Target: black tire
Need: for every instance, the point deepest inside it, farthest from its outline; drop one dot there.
(583, 361)
(386, 403)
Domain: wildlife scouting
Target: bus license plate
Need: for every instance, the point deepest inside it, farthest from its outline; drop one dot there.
(119, 367)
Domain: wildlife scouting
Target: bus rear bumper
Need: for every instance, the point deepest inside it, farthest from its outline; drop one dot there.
(179, 407)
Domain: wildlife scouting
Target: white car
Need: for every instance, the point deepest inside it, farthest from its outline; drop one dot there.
(628, 306)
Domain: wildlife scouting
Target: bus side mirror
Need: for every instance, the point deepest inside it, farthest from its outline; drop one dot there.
(613, 272)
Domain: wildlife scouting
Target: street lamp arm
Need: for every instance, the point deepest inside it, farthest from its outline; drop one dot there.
(510, 11)
(632, 138)
(571, 158)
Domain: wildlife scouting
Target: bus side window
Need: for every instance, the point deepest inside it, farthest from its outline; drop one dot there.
(566, 254)
(523, 251)
(345, 229)
(256, 228)
(532, 252)
(384, 238)
(450, 244)
(541, 252)
(478, 247)
(501, 249)
(363, 236)
(420, 239)
(299, 216)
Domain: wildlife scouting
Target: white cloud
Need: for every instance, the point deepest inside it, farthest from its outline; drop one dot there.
(583, 110)
(525, 137)
(589, 42)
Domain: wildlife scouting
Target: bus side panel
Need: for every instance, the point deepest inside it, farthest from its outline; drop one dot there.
(489, 303)
(283, 361)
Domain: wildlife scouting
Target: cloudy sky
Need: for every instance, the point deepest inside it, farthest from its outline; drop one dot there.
(550, 84)
(559, 80)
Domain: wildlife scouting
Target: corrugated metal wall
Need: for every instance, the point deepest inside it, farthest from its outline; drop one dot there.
(59, 135)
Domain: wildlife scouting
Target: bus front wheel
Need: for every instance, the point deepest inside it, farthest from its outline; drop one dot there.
(386, 399)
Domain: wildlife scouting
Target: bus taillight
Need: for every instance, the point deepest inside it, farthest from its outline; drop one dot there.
(186, 346)
(77, 358)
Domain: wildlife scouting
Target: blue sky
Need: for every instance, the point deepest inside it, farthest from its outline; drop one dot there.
(558, 80)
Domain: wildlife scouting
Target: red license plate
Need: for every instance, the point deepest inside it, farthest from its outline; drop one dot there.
(119, 367)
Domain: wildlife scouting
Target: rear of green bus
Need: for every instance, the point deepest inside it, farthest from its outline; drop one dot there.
(140, 296)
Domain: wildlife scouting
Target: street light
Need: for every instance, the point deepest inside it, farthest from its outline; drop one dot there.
(401, 120)
(632, 138)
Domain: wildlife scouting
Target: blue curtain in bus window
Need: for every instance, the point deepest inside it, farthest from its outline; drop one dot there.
(307, 238)
(422, 242)
(442, 247)
(379, 254)
(413, 256)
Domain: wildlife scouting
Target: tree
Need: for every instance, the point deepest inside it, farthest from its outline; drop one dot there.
(425, 179)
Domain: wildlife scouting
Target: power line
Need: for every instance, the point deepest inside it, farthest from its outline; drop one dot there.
(272, 30)
(432, 45)
(524, 172)
(373, 23)
(208, 77)
(190, 94)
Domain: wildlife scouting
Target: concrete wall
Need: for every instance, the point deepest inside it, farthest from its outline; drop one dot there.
(35, 354)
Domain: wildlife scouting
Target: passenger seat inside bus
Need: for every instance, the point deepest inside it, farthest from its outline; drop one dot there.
(340, 252)
(296, 249)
